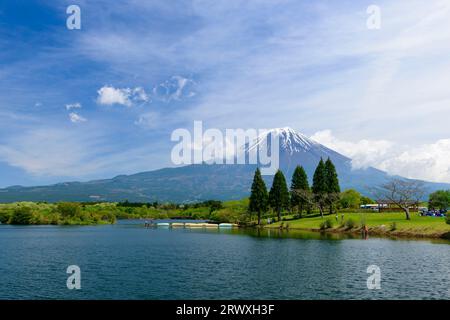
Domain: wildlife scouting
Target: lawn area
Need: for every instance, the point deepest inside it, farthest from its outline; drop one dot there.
(394, 223)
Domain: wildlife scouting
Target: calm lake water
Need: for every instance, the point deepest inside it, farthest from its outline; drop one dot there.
(128, 261)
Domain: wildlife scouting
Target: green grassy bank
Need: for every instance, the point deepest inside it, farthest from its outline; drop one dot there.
(393, 224)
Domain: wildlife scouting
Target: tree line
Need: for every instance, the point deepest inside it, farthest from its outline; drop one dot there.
(439, 199)
(300, 197)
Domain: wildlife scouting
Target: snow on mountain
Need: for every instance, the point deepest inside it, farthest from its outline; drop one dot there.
(290, 140)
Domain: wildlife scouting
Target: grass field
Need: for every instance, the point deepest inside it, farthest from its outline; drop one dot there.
(377, 223)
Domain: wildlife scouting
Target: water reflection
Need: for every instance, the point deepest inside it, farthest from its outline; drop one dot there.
(275, 233)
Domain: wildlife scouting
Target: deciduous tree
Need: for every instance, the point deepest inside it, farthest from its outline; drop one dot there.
(403, 193)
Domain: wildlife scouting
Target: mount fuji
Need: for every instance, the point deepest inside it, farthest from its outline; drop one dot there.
(200, 182)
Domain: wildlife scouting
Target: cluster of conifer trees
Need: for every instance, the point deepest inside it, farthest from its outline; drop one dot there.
(324, 192)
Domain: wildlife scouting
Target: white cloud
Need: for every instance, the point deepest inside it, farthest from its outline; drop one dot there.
(364, 153)
(176, 88)
(429, 162)
(273, 62)
(75, 105)
(108, 95)
(75, 118)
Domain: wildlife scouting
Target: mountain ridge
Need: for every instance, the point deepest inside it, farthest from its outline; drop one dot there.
(200, 182)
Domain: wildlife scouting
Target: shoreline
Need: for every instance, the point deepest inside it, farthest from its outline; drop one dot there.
(375, 231)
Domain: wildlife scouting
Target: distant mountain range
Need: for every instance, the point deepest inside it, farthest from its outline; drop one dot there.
(204, 182)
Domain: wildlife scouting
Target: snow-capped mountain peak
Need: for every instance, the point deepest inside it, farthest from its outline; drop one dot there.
(290, 140)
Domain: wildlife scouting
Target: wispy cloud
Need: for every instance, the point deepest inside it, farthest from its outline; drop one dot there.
(176, 88)
(75, 105)
(76, 154)
(233, 64)
(64, 154)
(75, 117)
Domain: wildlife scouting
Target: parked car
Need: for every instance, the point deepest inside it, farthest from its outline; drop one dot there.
(434, 213)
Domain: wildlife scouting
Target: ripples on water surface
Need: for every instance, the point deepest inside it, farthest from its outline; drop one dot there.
(128, 261)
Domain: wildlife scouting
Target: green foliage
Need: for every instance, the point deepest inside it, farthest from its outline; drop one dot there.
(439, 200)
(332, 184)
(259, 199)
(350, 224)
(5, 215)
(69, 209)
(332, 181)
(233, 212)
(214, 205)
(21, 216)
(350, 199)
(327, 224)
(59, 214)
(128, 204)
(279, 194)
(367, 200)
(299, 190)
(319, 179)
(319, 187)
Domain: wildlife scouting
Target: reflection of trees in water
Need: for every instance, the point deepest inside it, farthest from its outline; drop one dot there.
(276, 233)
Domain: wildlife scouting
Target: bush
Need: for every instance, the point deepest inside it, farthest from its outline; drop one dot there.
(393, 226)
(327, 224)
(350, 199)
(350, 224)
(447, 218)
(21, 215)
(109, 217)
(4, 216)
(69, 209)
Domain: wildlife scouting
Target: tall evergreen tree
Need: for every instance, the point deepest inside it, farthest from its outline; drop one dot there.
(319, 187)
(332, 182)
(299, 190)
(259, 198)
(279, 194)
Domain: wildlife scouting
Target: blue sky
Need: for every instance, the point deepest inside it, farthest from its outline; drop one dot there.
(103, 100)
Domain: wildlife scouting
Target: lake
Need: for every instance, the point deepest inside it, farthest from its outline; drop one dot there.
(129, 261)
